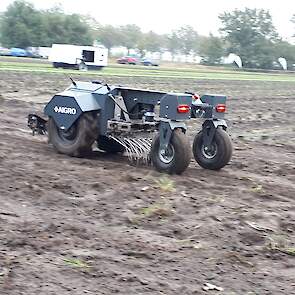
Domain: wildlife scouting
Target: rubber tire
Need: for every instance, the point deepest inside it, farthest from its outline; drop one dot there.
(81, 145)
(224, 150)
(182, 153)
(109, 145)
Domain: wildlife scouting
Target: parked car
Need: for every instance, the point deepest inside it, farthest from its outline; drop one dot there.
(130, 60)
(5, 51)
(33, 54)
(149, 62)
(18, 52)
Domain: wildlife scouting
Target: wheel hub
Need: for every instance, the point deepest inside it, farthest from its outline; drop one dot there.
(166, 155)
(69, 134)
(209, 152)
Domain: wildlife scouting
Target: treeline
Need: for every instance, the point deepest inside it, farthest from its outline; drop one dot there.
(249, 33)
(21, 25)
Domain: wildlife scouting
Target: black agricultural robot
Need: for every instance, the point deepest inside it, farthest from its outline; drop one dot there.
(144, 125)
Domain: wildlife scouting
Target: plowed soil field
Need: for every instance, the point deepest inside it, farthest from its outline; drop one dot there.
(99, 225)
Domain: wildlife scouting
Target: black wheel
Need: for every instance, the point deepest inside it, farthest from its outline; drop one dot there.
(77, 140)
(109, 145)
(217, 155)
(176, 158)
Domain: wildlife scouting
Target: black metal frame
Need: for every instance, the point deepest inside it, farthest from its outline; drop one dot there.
(128, 110)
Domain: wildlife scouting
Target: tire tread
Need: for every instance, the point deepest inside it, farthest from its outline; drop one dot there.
(224, 148)
(182, 153)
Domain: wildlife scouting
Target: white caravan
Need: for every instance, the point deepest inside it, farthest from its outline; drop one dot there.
(78, 57)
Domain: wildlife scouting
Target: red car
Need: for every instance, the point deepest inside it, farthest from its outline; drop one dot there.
(127, 60)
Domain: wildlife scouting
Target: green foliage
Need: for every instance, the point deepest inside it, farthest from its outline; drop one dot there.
(158, 209)
(286, 50)
(130, 36)
(108, 35)
(153, 42)
(76, 263)
(184, 40)
(248, 33)
(65, 29)
(211, 50)
(176, 72)
(188, 39)
(165, 184)
(24, 26)
(21, 25)
(251, 34)
(173, 43)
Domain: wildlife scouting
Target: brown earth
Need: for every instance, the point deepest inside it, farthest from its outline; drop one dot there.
(101, 226)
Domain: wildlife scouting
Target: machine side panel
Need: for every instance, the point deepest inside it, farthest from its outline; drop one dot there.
(170, 103)
(64, 110)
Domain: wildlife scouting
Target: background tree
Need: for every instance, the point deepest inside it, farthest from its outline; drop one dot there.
(151, 42)
(250, 34)
(66, 29)
(24, 26)
(1, 20)
(188, 39)
(141, 47)
(108, 35)
(130, 36)
(173, 43)
(21, 25)
(286, 50)
(211, 50)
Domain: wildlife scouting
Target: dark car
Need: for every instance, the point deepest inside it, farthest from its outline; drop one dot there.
(149, 62)
(127, 60)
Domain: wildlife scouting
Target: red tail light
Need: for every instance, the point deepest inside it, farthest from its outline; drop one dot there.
(220, 108)
(183, 108)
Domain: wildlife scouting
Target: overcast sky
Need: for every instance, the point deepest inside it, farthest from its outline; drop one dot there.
(164, 16)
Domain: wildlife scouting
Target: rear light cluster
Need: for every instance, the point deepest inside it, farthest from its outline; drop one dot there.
(183, 108)
(220, 108)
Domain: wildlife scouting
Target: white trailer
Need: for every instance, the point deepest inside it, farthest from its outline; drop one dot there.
(78, 57)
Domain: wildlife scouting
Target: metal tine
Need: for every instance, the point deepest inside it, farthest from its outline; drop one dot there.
(133, 149)
(137, 149)
(125, 145)
(130, 142)
(144, 155)
(128, 149)
(137, 144)
(142, 144)
(146, 143)
(120, 141)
